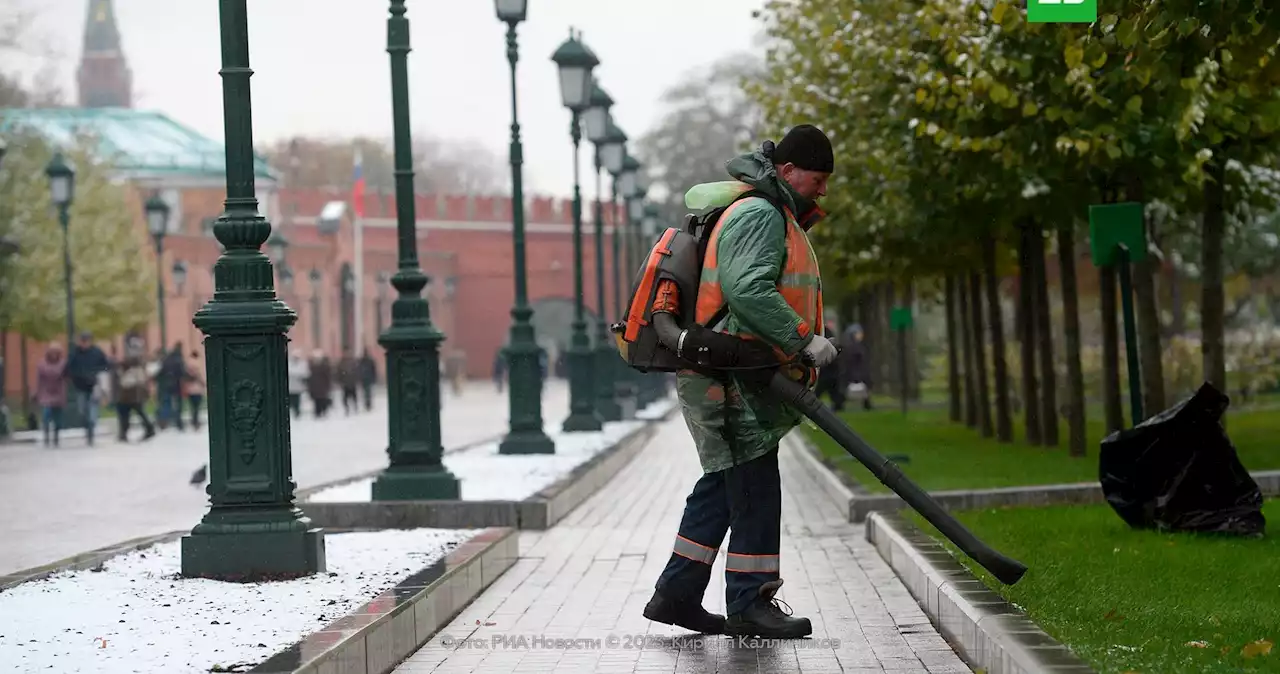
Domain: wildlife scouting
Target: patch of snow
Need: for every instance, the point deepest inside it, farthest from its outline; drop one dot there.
(486, 475)
(136, 615)
(656, 409)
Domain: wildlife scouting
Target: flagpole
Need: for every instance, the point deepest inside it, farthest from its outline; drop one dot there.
(358, 224)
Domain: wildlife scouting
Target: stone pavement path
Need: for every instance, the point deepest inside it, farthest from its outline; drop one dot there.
(591, 575)
(55, 503)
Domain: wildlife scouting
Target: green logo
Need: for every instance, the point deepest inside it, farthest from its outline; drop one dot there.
(1062, 11)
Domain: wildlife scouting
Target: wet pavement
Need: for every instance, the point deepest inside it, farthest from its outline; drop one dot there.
(57, 502)
(573, 601)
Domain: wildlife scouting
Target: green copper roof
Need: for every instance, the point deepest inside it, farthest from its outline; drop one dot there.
(139, 143)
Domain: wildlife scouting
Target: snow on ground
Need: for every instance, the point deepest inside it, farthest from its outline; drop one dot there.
(487, 475)
(136, 616)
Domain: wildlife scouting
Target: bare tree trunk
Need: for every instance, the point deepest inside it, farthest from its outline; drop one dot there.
(969, 355)
(1026, 316)
(913, 348)
(1178, 324)
(889, 359)
(980, 355)
(1044, 344)
(1212, 300)
(1148, 315)
(1004, 422)
(953, 352)
(1076, 440)
(1110, 351)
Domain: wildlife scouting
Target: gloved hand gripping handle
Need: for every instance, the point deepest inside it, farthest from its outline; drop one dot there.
(796, 394)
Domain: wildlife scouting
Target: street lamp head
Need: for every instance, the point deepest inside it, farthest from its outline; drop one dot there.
(511, 11)
(643, 183)
(157, 215)
(627, 178)
(286, 278)
(635, 209)
(277, 245)
(575, 62)
(315, 276)
(650, 226)
(179, 275)
(596, 116)
(613, 148)
(62, 180)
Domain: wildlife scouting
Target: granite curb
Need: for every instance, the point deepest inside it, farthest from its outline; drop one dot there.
(87, 560)
(989, 633)
(538, 512)
(378, 636)
(862, 503)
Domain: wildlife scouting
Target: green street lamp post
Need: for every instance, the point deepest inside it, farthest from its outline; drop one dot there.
(613, 154)
(596, 119)
(314, 277)
(416, 470)
(626, 187)
(62, 184)
(575, 62)
(253, 529)
(62, 189)
(525, 435)
(645, 235)
(157, 212)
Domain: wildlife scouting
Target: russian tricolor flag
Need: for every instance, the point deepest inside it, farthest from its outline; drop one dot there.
(357, 186)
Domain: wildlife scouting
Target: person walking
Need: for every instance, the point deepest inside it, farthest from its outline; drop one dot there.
(368, 377)
(84, 364)
(169, 381)
(193, 388)
(760, 279)
(134, 384)
(855, 370)
(349, 382)
(320, 383)
(51, 392)
(299, 373)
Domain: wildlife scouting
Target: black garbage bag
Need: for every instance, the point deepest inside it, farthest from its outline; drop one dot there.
(1178, 471)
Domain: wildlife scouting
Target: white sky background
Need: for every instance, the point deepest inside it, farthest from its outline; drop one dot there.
(321, 66)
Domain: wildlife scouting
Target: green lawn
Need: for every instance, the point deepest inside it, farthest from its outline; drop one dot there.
(1140, 601)
(941, 455)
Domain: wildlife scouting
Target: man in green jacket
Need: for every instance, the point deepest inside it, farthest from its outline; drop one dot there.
(760, 265)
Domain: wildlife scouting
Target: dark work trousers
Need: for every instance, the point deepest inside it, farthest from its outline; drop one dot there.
(349, 402)
(745, 500)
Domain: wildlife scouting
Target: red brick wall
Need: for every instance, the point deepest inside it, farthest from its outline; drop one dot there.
(475, 319)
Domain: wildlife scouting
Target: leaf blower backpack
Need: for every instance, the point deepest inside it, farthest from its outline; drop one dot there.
(667, 282)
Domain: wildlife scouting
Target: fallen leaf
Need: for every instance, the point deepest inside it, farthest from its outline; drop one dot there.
(1224, 651)
(1112, 615)
(1198, 644)
(1259, 647)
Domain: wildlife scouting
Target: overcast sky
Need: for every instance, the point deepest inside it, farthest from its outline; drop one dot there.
(321, 66)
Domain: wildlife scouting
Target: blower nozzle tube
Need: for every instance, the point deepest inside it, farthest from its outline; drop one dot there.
(1005, 569)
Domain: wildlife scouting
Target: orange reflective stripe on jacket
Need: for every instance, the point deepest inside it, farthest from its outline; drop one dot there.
(799, 283)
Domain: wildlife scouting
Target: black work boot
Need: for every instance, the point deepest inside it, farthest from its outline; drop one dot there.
(765, 618)
(688, 614)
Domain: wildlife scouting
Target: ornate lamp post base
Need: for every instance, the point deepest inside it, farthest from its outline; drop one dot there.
(253, 530)
(417, 483)
(526, 435)
(582, 413)
(248, 545)
(607, 361)
(416, 472)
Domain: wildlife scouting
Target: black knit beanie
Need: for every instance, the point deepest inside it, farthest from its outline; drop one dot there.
(808, 148)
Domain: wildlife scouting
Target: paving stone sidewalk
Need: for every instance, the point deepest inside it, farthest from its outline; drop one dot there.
(57, 502)
(591, 575)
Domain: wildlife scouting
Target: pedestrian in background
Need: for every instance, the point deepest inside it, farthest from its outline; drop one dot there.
(299, 373)
(368, 377)
(51, 391)
(193, 388)
(349, 382)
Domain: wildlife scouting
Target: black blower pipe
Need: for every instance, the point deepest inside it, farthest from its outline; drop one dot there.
(1005, 569)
